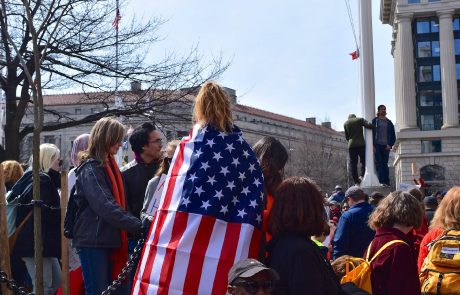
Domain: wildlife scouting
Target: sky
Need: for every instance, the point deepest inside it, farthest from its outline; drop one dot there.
(289, 57)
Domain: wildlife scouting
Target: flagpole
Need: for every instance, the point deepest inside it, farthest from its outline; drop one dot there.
(116, 48)
(367, 87)
(118, 99)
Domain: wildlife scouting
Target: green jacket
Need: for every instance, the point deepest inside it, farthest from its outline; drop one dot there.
(354, 131)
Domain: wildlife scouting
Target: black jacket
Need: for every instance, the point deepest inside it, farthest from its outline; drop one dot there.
(301, 267)
(51, 220)
(99, 223)
(136, 177)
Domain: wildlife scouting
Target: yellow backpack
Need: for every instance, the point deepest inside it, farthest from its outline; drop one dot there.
(440, 272)
(358, 270)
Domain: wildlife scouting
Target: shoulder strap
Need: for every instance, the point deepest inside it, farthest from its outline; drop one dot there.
(368, 251)
(384, 247)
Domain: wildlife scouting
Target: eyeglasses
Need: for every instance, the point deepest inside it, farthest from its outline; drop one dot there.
(253, 286)
(157, 141)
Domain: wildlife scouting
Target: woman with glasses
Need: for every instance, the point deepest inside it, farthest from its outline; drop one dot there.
(155, 185)
(298, 214)
(100, 230)
(50, 182)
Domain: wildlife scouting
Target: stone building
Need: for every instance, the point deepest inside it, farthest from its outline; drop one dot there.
(306, 141)
(426, 51)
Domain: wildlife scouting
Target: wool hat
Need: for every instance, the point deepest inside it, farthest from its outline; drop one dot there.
(354, 192)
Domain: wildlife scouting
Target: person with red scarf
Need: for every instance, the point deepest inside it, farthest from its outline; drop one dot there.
(100, 230)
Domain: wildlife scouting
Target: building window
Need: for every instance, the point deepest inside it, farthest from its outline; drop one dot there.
(457, 23)
(432, 173)
(431, 121)
(413, 1)
(427, 25)
(429, 98)
(50, 139)
(429, 73)
(78, 111)
(431, 146)
(435, 51)
(424, 49)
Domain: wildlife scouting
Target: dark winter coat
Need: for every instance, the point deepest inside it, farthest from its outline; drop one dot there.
(391, 135)
(51, 220)
(136, 177)
(99, 223)
(301, 266)
(394, 271)
(353, 235)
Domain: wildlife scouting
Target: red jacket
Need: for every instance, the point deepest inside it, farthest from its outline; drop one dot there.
(430, 236)
(394, 271)
(420, 233)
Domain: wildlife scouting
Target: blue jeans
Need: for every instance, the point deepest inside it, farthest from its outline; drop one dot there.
(97, 268)
(381, 163)
(51, 273)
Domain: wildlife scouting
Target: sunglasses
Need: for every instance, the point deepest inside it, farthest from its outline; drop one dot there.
(253, 286)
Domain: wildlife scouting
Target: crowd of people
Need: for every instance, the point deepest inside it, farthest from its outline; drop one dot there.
(306, 242)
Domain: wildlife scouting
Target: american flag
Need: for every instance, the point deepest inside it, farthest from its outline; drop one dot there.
(117, 19)
(209, 216)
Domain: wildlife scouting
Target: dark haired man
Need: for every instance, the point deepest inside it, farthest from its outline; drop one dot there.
(353, 235)
(384, 139)
(146, 144)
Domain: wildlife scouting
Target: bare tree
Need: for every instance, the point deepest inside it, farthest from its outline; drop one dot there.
(320, 160)
(75, 43)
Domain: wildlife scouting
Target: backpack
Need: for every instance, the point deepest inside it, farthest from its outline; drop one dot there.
(440, 272)
(21, 193)
(74, 207)
(358, 270)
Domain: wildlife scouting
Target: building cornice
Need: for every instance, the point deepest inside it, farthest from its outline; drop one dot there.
(386, 11)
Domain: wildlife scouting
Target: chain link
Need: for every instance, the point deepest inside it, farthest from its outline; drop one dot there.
(126, 270)
(12, 285)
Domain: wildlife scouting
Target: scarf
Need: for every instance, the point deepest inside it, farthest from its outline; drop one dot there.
(119, 255)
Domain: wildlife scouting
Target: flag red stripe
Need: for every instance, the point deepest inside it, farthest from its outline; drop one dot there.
(152, 254)
(140, 262)
(163, 211)
(180, 224)
(227, 258)
(254, 247)
(200, 245)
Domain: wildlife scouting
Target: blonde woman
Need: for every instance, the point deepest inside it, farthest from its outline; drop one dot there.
(100, 231)
(12, 171)
(211, 168)
(51, 220)
(447, 216)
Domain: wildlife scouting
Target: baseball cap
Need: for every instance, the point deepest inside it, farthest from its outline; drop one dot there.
(338, 186)
(247, 268)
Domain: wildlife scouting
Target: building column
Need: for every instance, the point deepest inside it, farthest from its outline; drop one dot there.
(405, 73)
(448, 70)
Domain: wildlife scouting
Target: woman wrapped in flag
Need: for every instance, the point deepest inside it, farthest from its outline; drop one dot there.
(210, 213)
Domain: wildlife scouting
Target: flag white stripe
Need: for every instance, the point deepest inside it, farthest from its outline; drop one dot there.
(244, 242)
(181, 177)
(162, 245)
(185, 246)
(212, 257)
